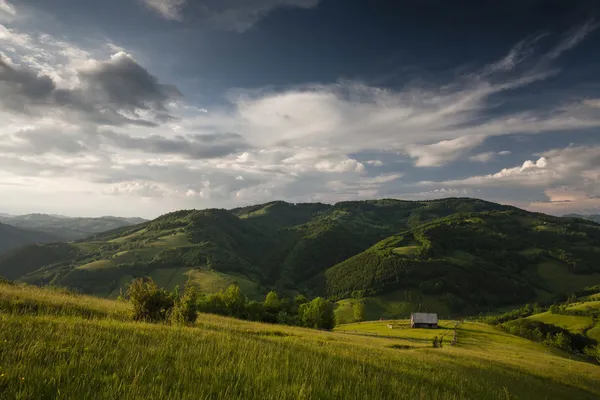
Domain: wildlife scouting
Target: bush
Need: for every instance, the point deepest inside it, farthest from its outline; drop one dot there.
(185, 311)
(150, 303)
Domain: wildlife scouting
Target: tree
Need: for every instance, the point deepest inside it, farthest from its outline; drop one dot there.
(317, 314)
(554, 309)
(562, 341)
(186, 307)
(300, 299)
(235, 300)
(272, 302)
(359, 311)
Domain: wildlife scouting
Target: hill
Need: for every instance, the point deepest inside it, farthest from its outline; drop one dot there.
(593, 217)
(56, 344)
(476, 261)
(453, 256)
(67, 228)
(12, 237)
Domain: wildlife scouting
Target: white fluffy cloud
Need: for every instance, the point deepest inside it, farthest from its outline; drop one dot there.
(569, 177)
(487, 156)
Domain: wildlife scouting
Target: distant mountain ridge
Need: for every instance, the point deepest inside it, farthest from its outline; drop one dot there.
(452, 255)
(12, 237)
(592, 217)
(68, 228)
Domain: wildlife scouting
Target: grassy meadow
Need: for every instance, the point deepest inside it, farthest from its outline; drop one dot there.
(58, 345)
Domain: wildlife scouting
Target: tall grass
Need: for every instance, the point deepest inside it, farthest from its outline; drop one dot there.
(62, 355)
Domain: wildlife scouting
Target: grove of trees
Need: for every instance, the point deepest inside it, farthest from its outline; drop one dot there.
(154, 304)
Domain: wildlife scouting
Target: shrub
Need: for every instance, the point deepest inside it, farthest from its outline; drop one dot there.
(150, 303)
(185, 311)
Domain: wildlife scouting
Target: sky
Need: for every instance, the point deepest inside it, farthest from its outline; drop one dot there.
(142, 107)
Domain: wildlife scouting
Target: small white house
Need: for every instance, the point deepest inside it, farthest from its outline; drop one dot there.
(423, 320)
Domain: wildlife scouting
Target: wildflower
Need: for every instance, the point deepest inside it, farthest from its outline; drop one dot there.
(22, 379)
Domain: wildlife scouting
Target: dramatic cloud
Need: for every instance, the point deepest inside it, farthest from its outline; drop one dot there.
(104, 124)
(115, 91)
(241, 15)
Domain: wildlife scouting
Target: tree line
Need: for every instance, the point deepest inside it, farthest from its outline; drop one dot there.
(153, 304)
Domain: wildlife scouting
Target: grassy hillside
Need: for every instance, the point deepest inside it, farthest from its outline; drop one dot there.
(451, 256)
(12, 237)
(58, 344)
(67, 228)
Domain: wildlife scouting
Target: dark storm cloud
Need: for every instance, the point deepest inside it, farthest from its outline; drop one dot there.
(241, 15)
(116, 92)
(228, 15)
(193, 147)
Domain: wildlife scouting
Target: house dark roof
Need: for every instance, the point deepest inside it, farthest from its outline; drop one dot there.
(424, 318)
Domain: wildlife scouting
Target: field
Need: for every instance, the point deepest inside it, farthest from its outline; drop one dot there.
(55, 344)
(584, 325)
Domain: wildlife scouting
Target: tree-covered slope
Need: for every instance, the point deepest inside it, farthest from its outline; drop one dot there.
(475, 261)
(467, 253)
(12, 237)
(67, 228)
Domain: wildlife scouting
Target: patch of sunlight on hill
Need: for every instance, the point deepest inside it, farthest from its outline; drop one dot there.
(594, 333)
(134, 235)
(174, 240)
(575, 324)
(400, 329)
(406, 250)
(130, 256)
(97, 265)
(585, 306)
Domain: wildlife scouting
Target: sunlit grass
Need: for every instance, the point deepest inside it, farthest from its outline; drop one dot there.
(55, 353)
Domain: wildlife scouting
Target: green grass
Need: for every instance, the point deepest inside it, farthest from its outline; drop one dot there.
(406, 250)
(391, 305)
(575, 324)
(176, 240)
(56, 353)
(400, 329)
(97, 264)
(585, 306)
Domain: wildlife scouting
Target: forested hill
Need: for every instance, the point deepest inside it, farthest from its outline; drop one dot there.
(12, 237)
(466, 253)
